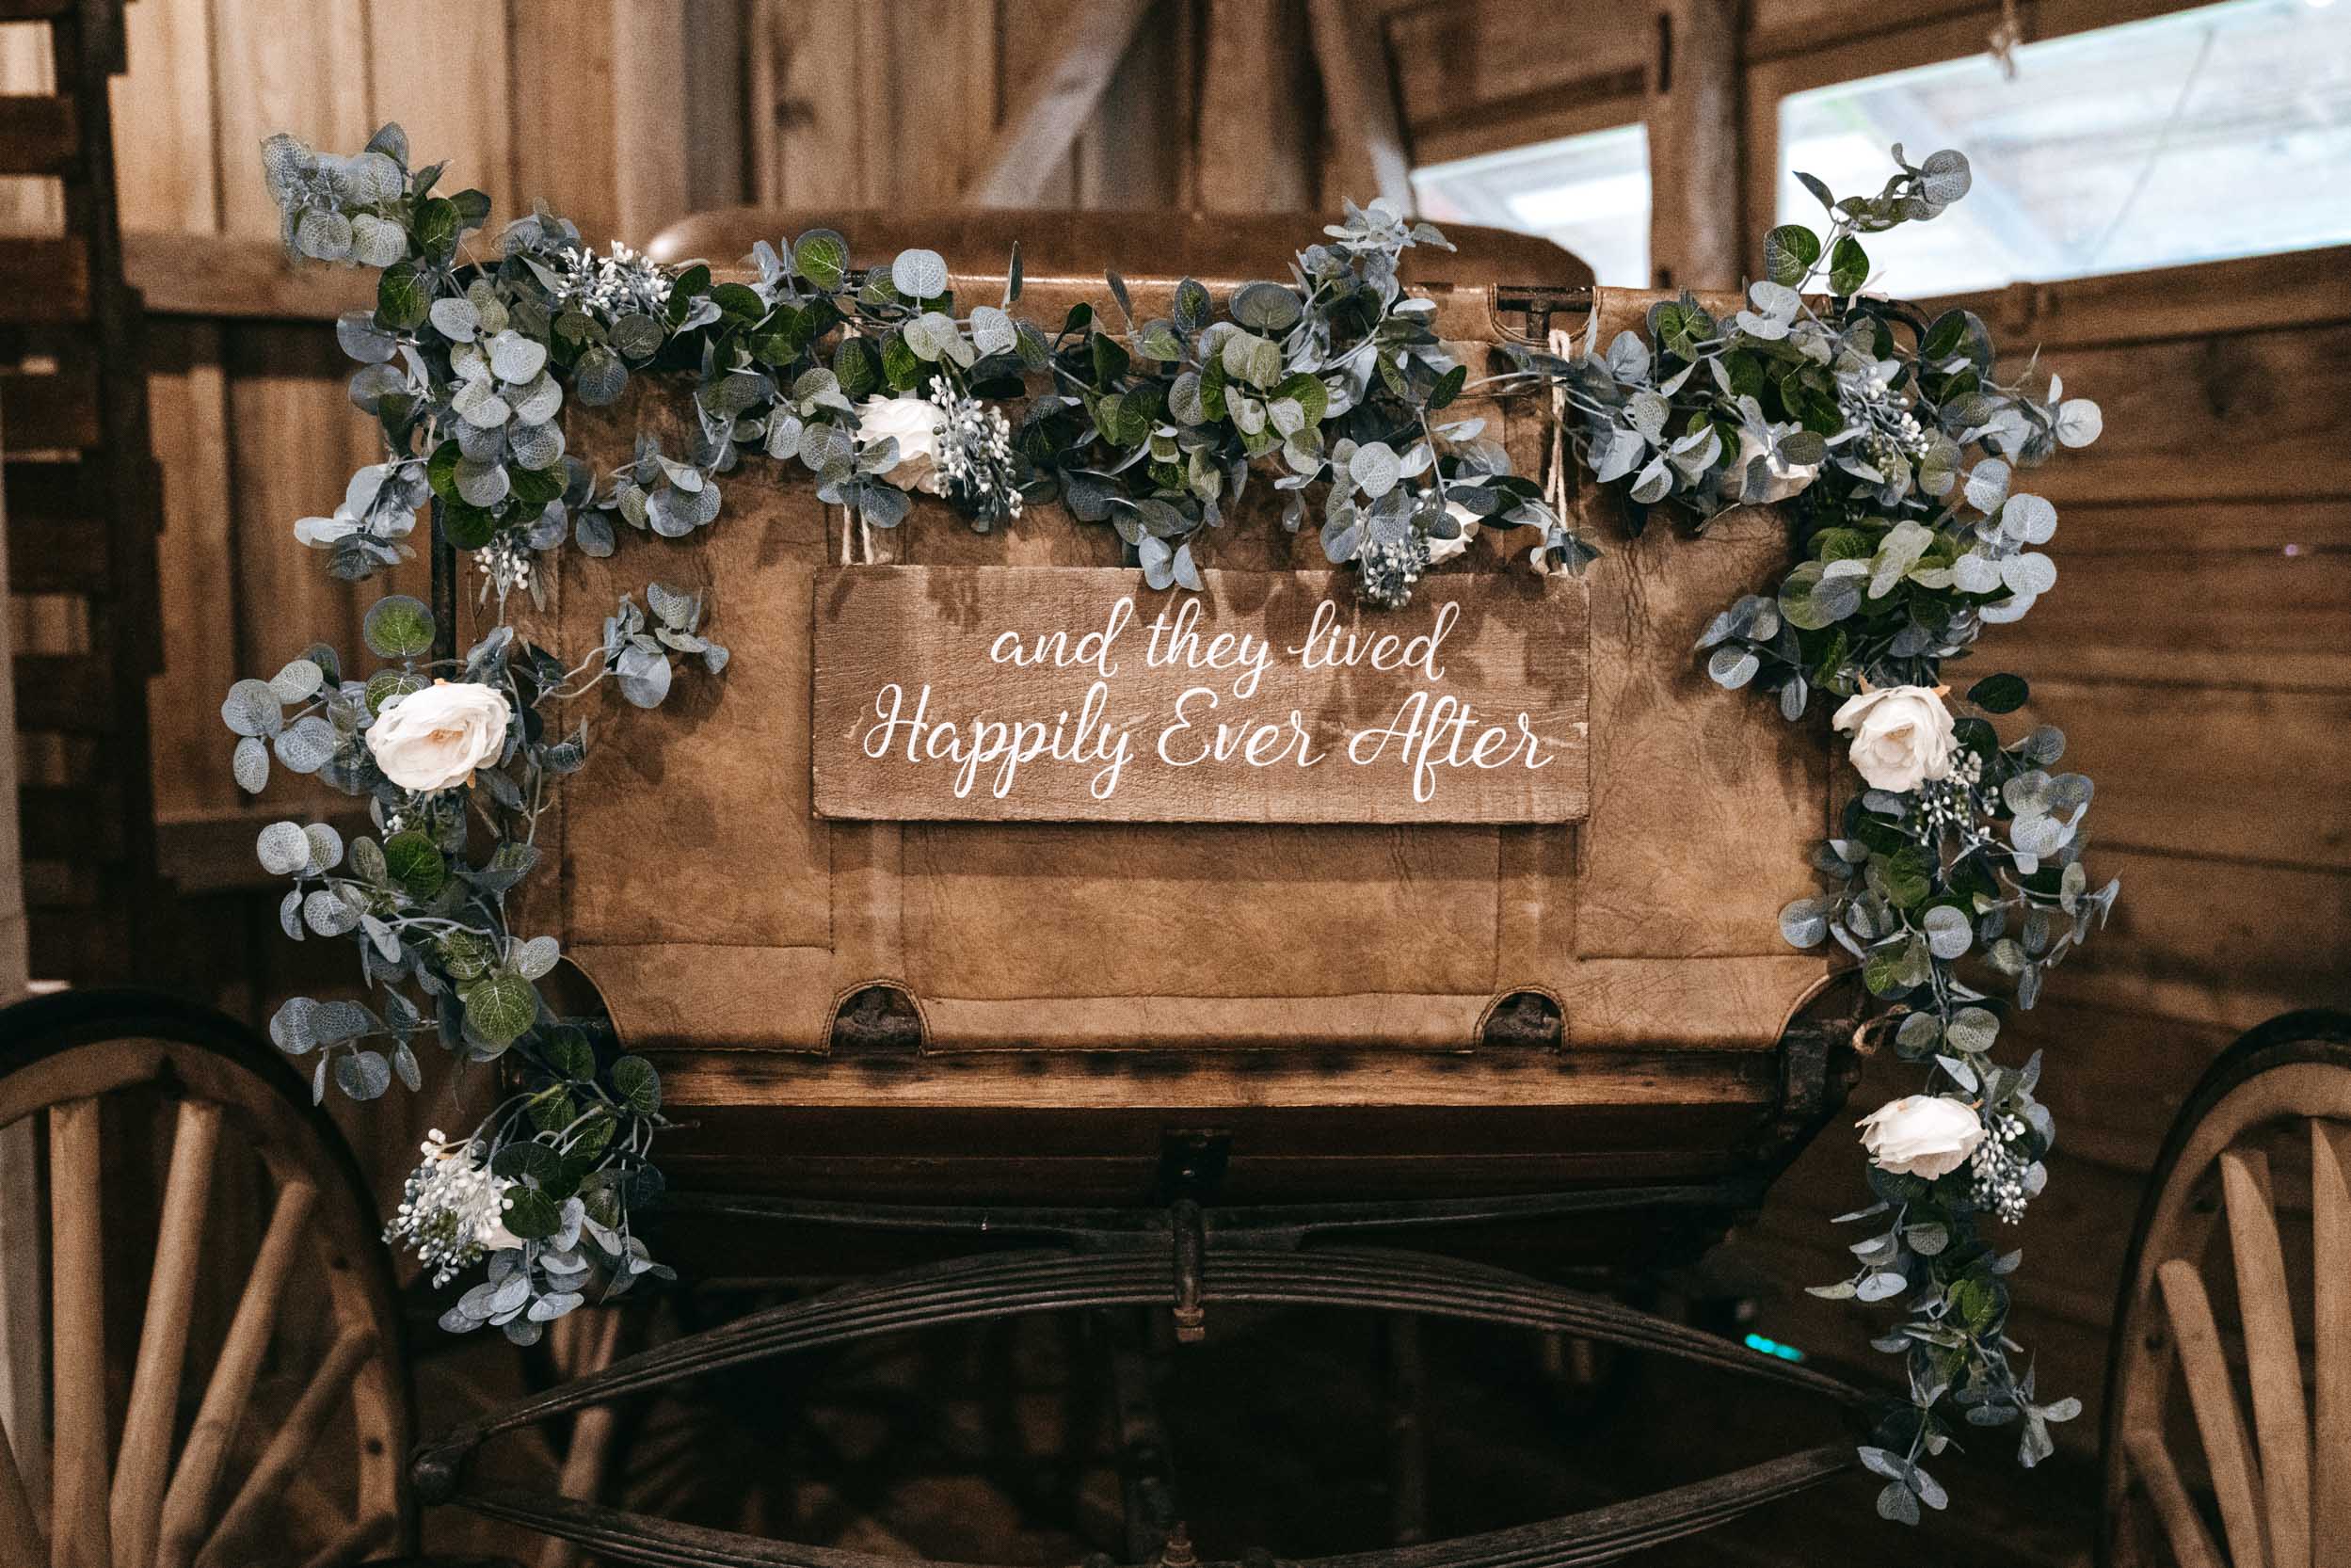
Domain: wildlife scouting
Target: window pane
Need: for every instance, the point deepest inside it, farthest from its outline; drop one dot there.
(1587, 193)
(2219, 132)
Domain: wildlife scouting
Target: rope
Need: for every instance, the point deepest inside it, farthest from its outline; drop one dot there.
(855, 533)
(1555, 483)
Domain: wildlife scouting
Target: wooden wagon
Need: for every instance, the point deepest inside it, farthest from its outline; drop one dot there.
(1195, 1048)
(1202, 1052)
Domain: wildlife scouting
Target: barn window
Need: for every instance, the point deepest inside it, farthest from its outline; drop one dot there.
(1588, 193)
(2219, 132)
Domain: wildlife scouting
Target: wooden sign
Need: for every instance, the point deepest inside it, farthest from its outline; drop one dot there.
(1073, 695)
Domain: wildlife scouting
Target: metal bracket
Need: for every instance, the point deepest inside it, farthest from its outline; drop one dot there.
(1192, 1247)
(1537, 303)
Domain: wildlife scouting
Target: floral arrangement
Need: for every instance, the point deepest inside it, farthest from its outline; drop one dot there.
(1887, 438)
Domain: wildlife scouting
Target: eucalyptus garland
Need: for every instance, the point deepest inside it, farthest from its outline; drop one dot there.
(1954, 884)
(1894, 447)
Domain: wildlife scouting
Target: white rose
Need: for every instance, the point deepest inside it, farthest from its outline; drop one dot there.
(915, 422)
(434, 739)
(1445, 549)
(1901, 736)
(1786, 478)
(1921, 1135)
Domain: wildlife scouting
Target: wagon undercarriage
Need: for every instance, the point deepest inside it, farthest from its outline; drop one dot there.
(1187, 1256)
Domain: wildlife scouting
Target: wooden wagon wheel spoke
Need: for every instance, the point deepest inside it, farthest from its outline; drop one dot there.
(187, 1509)
(587, 1345)
(364, 1539)
(2182, 1525)
(2330, 1317)
(143, 1469)
(2277, 1457)
(79, 1530)
(2236, 1474)
(2280, 1421)
(301, 1384)
(291, 1447)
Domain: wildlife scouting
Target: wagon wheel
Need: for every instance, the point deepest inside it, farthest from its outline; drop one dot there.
(199, 1353)
(2228, 1431)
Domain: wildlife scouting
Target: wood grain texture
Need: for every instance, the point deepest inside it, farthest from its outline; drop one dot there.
(2235, 1473)
(23, 1330)
(28, 204)
(294, 439)
(1034, 140)
(804, 113)
(1493, 74)
(78, 1470)
(2274, 1367)
(2330, 1323)
(1136, 151)
(1371, 157)
(1696, 225)
(564, 124)
(1194, 709)
(2184, 1527)
(283, 65)
(187, 394)
(166, 174)
(1257, 141)
(290, 1448)
(187, 1511)
(454, 112)
(145, 1467)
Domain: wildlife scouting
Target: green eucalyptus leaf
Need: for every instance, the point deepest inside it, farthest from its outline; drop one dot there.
(1848, 266)
(499, 1007)
(1999, 694)
(398, 627)
(402, 298)
(414, 865)
(1789, 252)
(638, 1085)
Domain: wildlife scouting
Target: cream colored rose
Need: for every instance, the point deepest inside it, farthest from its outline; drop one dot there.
(434, 739)
(1785, 478)
(915, 422)
(1901, 736)
(1445, 549)
(1921, 1135)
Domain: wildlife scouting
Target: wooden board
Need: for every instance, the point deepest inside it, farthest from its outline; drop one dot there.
(987, 693)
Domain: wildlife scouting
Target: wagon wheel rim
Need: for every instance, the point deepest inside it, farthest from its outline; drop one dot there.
(2274, 1443)
(238, 1460)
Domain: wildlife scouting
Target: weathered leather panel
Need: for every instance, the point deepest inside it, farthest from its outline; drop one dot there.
(714, 911)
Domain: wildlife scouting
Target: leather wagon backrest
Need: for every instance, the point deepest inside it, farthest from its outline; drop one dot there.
(1218, 248)
(715, 911)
